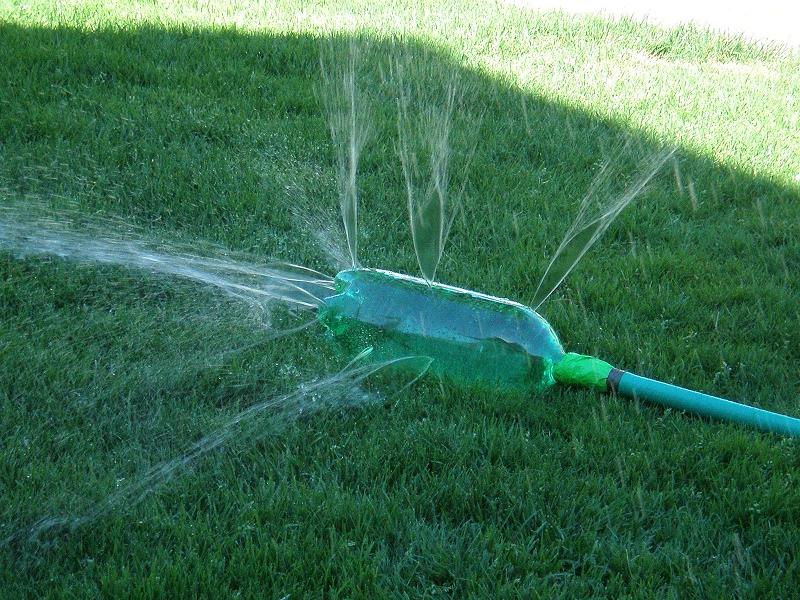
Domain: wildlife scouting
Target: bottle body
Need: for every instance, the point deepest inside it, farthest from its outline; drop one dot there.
(473, 340)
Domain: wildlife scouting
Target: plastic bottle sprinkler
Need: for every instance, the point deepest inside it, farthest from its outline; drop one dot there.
(486, 342)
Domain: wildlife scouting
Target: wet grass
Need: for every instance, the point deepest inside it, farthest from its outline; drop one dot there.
(204, 124)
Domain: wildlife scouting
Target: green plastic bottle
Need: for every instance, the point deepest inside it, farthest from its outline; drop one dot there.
(473, 339)
(495, 344)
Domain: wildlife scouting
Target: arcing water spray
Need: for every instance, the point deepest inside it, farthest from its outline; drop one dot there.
(473, 339)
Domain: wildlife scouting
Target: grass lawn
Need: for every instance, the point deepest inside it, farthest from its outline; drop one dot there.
(201, 123)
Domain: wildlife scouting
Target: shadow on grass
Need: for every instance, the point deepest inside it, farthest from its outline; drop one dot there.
(220, 135)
